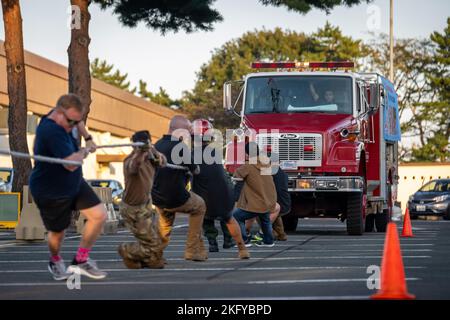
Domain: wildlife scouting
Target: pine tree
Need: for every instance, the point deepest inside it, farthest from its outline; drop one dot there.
(103, 71)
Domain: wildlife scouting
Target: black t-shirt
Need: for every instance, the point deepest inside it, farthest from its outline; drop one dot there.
(49, 180)
(213, 186)
(169, 188)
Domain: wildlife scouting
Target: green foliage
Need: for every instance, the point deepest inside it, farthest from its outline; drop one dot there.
(422, 81)
(165, 15)
(233, 60)
(437, 147)
(161, 97)
(103, 71)
(304, 6)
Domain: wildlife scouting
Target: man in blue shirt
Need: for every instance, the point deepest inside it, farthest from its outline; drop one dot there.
(59, 189)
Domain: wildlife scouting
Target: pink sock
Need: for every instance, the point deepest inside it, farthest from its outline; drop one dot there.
(55, 258)
(82, 255)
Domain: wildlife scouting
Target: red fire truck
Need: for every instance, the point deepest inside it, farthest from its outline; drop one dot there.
(335, 132)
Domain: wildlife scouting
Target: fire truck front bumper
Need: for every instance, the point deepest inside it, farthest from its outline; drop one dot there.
(326, 184)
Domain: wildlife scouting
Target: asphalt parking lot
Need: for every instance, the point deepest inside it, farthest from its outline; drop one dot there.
(319, 261)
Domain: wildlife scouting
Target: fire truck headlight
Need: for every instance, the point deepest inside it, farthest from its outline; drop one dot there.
(304, 184)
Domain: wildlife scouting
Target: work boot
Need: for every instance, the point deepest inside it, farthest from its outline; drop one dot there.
(278, 230)
(243, 252)
(195, 249)
(129, 263)
(213, 245)
(153, 264)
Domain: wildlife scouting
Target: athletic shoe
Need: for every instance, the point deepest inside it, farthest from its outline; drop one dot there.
(264, 245)
(88, 268)
(257, 237)
(58, 270)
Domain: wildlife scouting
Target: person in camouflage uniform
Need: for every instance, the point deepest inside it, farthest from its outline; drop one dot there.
(136, 207)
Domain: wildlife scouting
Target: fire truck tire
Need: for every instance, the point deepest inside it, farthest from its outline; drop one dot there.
(381, 221)
(447, 215)
(370, 223)
(290, 222)
(355, 219)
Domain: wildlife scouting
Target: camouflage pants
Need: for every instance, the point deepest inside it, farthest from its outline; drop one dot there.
(140, 221)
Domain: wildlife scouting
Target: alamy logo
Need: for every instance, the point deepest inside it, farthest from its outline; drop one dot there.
(74, 281)
(373, 281)
(74, 20)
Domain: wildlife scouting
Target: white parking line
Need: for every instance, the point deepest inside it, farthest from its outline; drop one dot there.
(218, 269)
(306, 250)
(314, 281)
(190, 283)
(237, 259)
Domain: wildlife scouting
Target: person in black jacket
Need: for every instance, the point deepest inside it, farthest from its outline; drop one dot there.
(169, 191)
(280, 179)
(212, 185)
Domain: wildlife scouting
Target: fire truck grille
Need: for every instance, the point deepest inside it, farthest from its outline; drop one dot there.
(305, 149)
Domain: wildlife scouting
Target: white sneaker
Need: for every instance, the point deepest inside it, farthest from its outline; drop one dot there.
(58, 270)
(88, 268)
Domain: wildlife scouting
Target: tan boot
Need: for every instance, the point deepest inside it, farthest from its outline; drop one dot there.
(129, 263)
(243, 252)
(153, 264)
(278, 230)
(196, 251)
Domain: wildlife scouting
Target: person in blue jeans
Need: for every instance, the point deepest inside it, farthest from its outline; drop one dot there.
(255, 193)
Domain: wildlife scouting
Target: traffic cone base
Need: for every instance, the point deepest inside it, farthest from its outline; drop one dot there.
(407, 228)
(393, 282)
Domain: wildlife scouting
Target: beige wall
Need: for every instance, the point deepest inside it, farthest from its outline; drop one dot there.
(415, 175)
(112, 110)
(115, 114)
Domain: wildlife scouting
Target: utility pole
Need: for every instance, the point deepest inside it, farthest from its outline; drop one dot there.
(391, 41)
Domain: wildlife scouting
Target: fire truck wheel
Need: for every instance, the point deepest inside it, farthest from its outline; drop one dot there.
(290, 222)
(355, 219)
(381, 221)
(370, 223)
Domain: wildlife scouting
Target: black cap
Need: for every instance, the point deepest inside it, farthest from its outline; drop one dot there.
(141, 136)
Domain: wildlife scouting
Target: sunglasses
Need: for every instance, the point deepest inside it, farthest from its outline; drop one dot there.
(71, 122)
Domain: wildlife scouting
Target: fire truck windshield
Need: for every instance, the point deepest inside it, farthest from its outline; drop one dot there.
(286, 94)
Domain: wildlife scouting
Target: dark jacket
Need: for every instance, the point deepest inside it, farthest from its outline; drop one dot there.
(169, 188)
(213, 185)
(280, 179)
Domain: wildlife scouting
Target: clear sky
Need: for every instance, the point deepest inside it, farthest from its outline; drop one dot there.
(173, 60)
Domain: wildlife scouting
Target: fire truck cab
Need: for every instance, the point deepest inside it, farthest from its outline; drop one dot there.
(334, 132)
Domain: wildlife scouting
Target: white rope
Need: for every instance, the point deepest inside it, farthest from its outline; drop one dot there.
(174, 166)
(22, 155)
(135, 144)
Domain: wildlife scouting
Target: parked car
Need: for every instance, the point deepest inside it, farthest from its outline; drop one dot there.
(6, 178)
(116, 189)
(432, 199)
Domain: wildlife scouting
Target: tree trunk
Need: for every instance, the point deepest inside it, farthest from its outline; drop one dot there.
(17, 93)
(78, 51)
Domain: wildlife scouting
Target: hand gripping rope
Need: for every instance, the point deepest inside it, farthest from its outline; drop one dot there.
(23, 155)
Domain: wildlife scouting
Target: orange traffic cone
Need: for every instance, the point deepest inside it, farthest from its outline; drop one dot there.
(393, 283)
(407, 229)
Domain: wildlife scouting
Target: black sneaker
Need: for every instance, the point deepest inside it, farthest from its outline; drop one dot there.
(264, 245)
(88, 268)
(227, 244)
(213, 245)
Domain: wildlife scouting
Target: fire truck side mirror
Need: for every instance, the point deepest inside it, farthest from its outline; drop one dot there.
(227, 103)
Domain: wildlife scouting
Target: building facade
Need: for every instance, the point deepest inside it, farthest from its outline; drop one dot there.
(115, 114)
